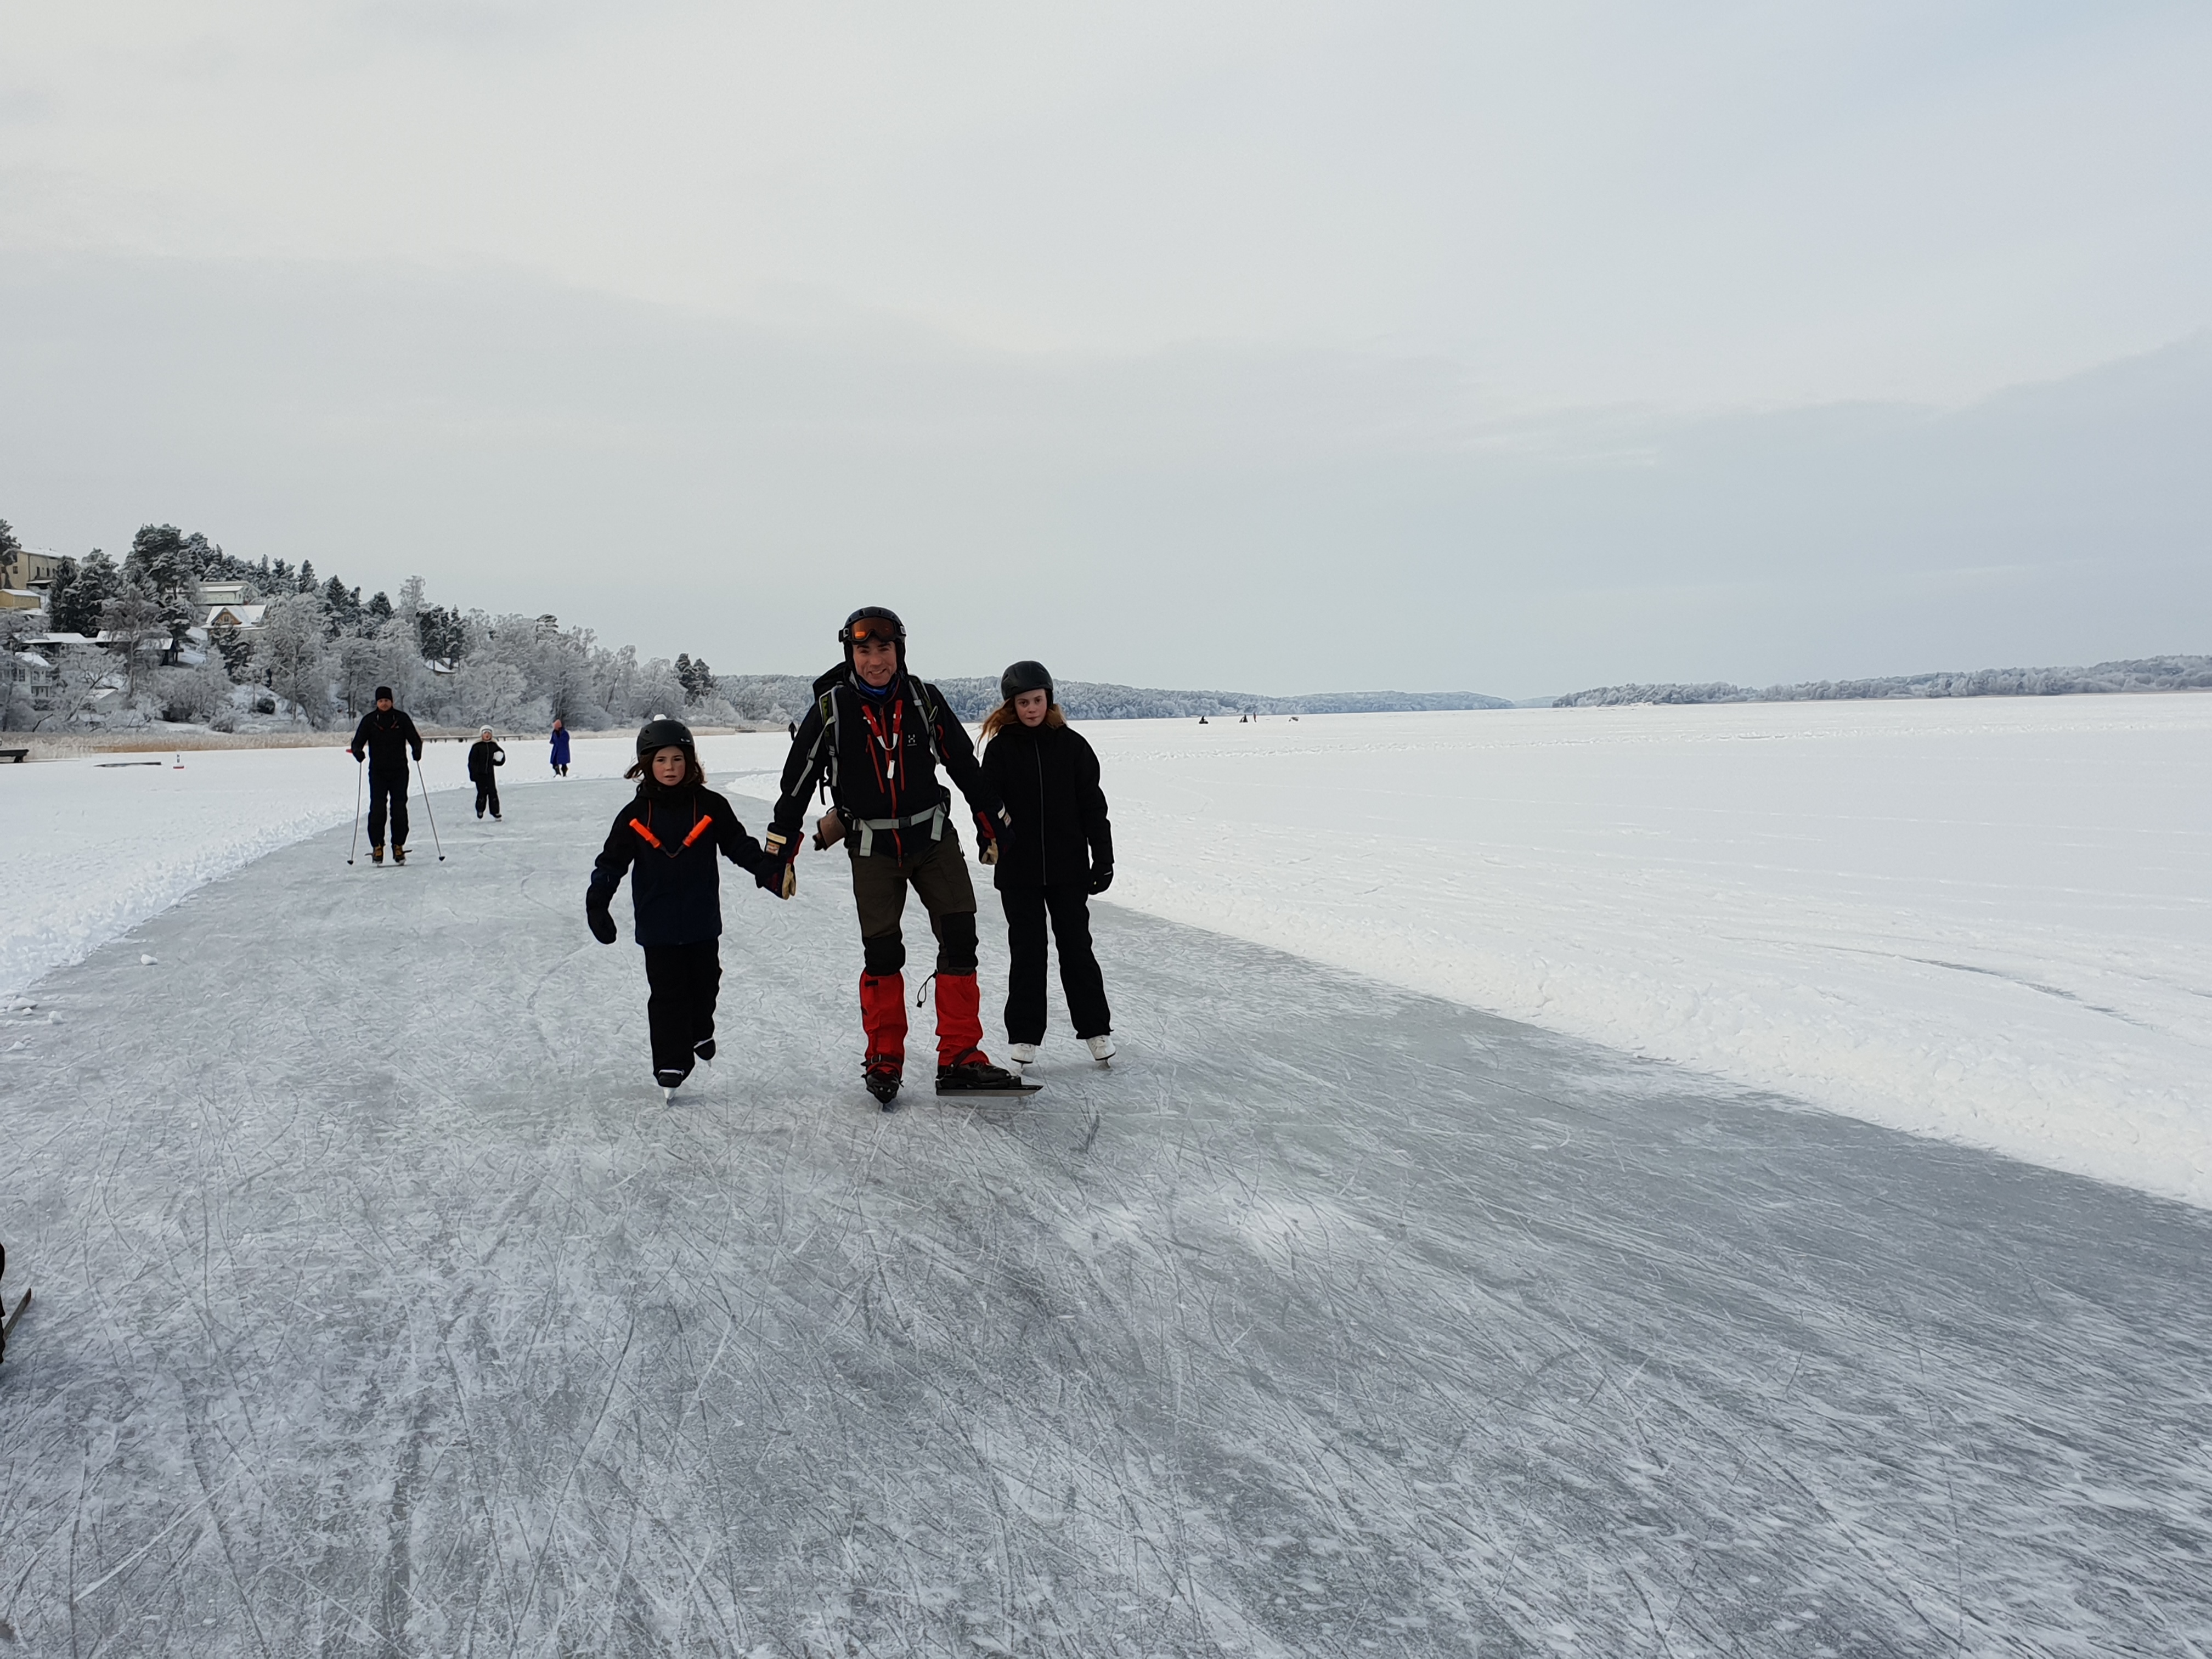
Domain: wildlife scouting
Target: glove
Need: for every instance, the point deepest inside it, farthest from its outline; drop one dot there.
(600, 918)
(829, 831)
(987, 836)
(1102, 878)
(358, 758)
(779, 878)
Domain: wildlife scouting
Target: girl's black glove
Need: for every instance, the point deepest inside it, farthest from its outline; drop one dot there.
(596, 913)
(1102, 878)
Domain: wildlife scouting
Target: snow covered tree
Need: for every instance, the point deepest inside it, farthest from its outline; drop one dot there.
(80, 589)
(133, 619)
(291, 652)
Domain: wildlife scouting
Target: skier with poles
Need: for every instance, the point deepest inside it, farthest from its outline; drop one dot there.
(670, 833)
(483, 755)
(875, 735)
(384, 738)
(1048, 775)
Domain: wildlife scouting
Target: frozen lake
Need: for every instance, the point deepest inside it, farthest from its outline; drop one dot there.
(1984, 920)
(384, 1309)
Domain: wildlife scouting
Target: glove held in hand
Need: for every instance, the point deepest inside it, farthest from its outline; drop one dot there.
(600, 919)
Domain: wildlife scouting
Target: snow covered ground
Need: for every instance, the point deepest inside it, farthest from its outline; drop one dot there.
(383, 1308)
(1986, 919)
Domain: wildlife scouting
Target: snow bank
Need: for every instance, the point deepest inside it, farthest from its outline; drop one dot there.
(91, 847)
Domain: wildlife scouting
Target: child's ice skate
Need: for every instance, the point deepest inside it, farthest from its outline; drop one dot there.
(1101, 1049)
(1020, 1054)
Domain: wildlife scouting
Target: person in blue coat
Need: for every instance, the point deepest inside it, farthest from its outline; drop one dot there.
(560, 749)
(667, 837)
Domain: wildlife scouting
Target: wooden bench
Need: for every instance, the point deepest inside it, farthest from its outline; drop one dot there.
(18, 755)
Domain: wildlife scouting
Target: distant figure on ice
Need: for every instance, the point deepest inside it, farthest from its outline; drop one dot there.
(671, 833)
(560, 749)
(484, 754)
(384, 738)
(880, 734)
(1062, 851)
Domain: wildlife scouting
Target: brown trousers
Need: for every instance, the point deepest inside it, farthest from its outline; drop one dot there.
(938, 876)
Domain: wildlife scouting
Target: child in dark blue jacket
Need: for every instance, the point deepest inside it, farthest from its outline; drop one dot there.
(670, 833)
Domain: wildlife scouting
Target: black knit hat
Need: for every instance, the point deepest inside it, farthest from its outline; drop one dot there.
(1026, 676)
(657, 735)
(383, 692)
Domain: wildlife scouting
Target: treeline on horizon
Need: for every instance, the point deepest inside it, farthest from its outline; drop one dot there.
(2138, 674)
(320, 651)
(323, 647)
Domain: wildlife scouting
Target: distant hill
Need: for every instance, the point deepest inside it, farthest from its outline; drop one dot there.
(770, 697)
(2138, 674)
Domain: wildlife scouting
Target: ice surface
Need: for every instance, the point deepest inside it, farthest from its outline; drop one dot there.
(386, 1310)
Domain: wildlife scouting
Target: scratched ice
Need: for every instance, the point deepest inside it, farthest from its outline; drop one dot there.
(384, 1309)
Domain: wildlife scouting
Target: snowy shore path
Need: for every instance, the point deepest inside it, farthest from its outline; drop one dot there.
(384, 1309)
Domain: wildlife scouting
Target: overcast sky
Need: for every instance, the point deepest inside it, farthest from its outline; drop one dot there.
(1283, 347)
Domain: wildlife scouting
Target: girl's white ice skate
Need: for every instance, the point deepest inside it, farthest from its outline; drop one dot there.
(1101, 1049)
(1020, 1054)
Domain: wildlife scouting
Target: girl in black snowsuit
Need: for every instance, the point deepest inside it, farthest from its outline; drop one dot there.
(483, 755)
(1059, 851)
(671, 833)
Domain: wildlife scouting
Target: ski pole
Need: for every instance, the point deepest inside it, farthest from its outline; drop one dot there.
(432, 817)
(356, 848)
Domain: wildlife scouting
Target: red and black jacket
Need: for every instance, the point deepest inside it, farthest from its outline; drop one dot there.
(669, 838)
(881, 755)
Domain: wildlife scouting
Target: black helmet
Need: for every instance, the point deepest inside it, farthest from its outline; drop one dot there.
(657, 735)
(1026, 676)
(872, 621)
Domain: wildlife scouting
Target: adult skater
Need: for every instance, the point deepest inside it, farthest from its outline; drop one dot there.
(560, 748)
(483, 755)
(670, 833)
(880, 734)
(1060, 852)
(384, 737)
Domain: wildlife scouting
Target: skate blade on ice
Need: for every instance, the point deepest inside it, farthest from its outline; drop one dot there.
(1015, 1091)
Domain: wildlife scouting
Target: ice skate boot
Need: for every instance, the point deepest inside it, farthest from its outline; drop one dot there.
(973, 1076)
(376, 855)
(1020, 1054)
(670, 1082)
(881, 1073)
(1101, 1049)
(399, 856)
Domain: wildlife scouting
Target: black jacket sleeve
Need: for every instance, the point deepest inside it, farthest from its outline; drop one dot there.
(959, 755)
(498, 755)
(802, 770)
(360, 743)
(1096, 829)
(614, 859)
(730, 837)
(414, 738)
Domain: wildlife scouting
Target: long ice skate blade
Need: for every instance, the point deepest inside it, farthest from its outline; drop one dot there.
(1022, 1092)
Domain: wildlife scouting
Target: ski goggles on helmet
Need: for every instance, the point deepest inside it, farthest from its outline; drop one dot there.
(888, 629)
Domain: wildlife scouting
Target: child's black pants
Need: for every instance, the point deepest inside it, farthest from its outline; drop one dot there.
(685, 979)
(1069, 907)
(487, 795)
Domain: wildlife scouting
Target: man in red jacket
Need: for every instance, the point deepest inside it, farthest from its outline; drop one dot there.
(879, 735)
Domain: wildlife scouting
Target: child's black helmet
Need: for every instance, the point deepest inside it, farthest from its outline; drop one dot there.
(1026, 676)
(657, 735)
(873, 621)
